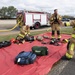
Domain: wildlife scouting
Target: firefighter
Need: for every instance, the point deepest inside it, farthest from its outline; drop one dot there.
(55, 21)
(71, 43)
(24, 31)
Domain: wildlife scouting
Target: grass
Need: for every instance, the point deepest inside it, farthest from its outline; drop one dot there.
(66, 30)
(63, 31)
(8, 37)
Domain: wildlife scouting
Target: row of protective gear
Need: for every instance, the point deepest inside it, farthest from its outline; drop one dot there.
(22, 40)
(25, 58)
(53, 41)
(8, 43)
(30, 38)
(40, 38)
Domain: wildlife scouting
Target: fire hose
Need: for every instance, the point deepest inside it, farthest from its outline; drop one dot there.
(11, 28)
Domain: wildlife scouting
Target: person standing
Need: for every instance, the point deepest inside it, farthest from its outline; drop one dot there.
(55, 21)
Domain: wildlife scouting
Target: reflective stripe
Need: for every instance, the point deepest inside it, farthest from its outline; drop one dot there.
(26, 33)
(59, 36)
(73, 35)
(72, 47)
(51, 19)
(53, 36)
(21, 35)
(66, 40)
(69, 56)
(60, 18)
(67, 23)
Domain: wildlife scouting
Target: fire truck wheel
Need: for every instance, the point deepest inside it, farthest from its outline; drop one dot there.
(37, 25)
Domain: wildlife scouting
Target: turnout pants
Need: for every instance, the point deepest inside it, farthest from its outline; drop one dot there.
(55, 27)
(70, 48)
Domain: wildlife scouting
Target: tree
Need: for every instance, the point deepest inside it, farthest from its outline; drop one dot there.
(67, 16)
(8, 12)
(3, 12)
(12, 11)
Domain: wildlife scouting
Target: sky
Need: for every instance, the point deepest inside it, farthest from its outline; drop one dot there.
(65, 7)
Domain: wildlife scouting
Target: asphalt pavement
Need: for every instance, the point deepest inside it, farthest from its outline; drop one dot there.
(69, 68)
(63, 67)
(17, 31)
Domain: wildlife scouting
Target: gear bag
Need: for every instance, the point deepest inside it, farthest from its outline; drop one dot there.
(54, 42)
(5, 44)
(29, 38)
(46, 37)
(40, 51)
(39, 38)
(25, 58)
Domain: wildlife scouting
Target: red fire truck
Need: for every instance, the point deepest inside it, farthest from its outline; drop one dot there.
(35, 18)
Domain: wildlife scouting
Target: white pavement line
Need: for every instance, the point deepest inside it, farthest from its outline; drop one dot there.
(57, 69)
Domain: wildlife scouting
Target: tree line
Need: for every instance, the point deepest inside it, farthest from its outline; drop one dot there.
(8, 12)
(69, 17)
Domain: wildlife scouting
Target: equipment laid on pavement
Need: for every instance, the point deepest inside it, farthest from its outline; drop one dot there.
(17, 41)
(41, 66)
(65, 41)
(40, 50)
(29, 38)
(25, 58)
(39, 38)
(46, 37)
(54, 42)
(5, 44)
(12, 40)
(43, 42)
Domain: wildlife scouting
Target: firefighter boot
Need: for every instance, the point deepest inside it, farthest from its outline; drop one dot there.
(53, 35)
(58, 34)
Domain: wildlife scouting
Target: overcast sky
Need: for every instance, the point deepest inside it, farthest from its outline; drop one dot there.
(65, 7)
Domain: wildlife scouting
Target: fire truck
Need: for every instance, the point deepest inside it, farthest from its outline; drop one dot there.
(34, 19)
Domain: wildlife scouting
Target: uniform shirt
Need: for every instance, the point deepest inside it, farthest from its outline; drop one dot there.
(24, 30)
(54, 18)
